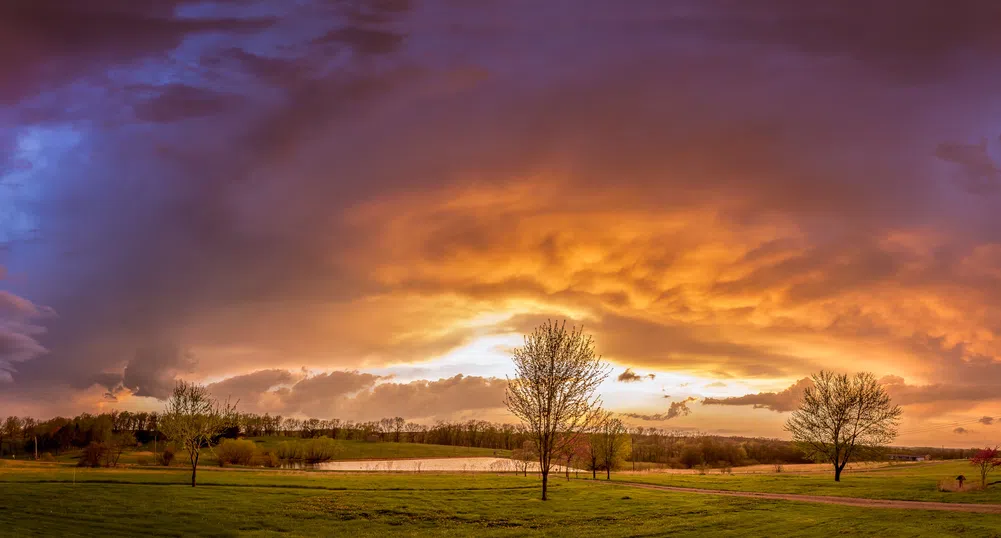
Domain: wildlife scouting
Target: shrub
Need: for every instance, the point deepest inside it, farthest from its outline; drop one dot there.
(308, 451)
(235, 452)
(268, 458)
(47, 456)
(168, 456)
(93, 455)
(142, 462)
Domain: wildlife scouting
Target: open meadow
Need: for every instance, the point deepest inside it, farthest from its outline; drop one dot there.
(57, 499)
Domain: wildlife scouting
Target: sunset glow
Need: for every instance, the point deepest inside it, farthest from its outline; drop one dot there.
(328, 213)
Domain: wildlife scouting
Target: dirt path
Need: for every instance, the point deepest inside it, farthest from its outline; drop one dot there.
(827, 499)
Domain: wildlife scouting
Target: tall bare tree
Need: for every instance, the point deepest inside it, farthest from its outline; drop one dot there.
(844, 418)
(557, 374)
(194, 420)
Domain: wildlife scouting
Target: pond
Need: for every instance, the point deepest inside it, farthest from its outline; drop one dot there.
(431, 465)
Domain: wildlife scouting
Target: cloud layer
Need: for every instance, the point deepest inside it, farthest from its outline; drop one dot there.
(714, 189)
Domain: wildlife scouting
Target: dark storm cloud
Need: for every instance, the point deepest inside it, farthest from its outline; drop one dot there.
(909, 40)
(153, 371)
(19, 331)
(986, 421)
(352, 168)
(628, 376)
(176, 102)
(45, 43)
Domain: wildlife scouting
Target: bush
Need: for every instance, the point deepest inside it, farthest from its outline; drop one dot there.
(142, 462)
(47, 456)
(93, 455)
(235, 452)
(167, 456)
(308, 451)
(268, 458)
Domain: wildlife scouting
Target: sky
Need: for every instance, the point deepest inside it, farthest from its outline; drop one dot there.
(356, 208)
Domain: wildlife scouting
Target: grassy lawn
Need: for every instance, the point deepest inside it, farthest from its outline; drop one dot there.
(346, 450)
(918, 482)
(43, 499)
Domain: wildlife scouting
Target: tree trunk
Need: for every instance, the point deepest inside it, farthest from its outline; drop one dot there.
(594, 472)
(608, 472)
(837, 473)
(545, 483)
(194, 468)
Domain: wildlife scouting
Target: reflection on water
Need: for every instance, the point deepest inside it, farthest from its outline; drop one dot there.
(494, 465)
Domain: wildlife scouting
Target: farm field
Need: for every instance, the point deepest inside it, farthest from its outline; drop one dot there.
(55, 499)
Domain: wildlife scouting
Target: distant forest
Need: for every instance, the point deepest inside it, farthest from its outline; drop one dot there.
(648, 446)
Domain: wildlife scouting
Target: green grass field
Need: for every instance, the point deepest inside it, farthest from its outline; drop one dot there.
(54, 499)
(346, 450)
(901, 482)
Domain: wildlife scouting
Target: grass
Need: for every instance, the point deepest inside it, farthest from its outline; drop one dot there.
(44, 499)
(913, 482)
(346, 450)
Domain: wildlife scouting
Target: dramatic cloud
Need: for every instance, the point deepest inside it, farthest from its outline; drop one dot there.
(628, 376)
(786, 400)
(748, 191)
(18, 332)
(359, 396)
(940, 395)
(676, 409)
(153, 371)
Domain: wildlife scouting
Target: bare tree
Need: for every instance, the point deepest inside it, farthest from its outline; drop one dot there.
(613, 444)
(194, 420)
(553, 392)
(524, 456)
(120, 442)
(843, 418)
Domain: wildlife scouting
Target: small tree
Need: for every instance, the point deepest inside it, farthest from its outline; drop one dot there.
(119, 443)
(591, 456)
(572, 452)
(985, 461)
(193, 419)
(556, 376)
(844, 418)
(614, 443)
(10, 428)
(524, 456)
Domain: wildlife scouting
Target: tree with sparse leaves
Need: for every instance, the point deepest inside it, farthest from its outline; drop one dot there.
(557, 374)
(985, 461)
(844, 419)
(613, 444)
(194, 420)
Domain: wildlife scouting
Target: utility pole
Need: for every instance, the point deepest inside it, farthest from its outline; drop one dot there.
(36, 448)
